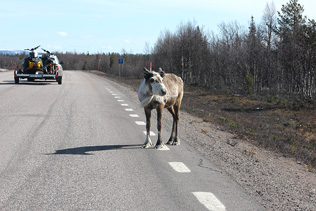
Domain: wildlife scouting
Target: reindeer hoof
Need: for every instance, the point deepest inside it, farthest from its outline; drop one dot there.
(170, 142)
(176, 142)
(148, 145)
(159, 146)
(173, 142)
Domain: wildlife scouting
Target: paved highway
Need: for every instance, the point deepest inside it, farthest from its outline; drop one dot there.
(78, 146)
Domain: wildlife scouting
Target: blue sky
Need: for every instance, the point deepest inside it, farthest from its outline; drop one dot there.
(113, 25)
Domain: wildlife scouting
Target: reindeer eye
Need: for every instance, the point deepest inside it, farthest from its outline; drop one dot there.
(152, 80)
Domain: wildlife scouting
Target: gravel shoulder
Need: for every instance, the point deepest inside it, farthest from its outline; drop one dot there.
(275, 181)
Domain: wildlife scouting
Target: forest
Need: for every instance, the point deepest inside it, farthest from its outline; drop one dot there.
(273, 59)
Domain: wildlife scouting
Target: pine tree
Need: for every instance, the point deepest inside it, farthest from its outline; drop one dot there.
(291, 31)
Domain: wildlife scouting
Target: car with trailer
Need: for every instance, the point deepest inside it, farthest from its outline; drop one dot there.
(40, 67)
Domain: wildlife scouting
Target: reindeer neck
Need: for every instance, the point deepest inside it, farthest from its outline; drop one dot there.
(144, 94)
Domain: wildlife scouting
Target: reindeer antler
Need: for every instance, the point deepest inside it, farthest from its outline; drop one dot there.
(147, 73)
(161, 72)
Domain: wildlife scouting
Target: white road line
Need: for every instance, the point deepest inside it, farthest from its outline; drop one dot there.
(114, 94)
(124, 104)
(120, 100)
(116, 97)
(164, 148)
(179, 167)
(210, 201)
(133, 115)
(140, 123)
(151, 133)
(128, 109)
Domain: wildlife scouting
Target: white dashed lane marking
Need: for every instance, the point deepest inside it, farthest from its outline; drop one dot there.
(210, 201)
(179, 167)
(151, 133)
(140, 123)
(133, 115)
(164, 148)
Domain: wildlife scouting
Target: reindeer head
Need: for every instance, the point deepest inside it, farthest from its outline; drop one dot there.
(155, 81)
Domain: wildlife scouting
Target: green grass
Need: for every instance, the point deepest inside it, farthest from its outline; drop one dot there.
(229, 122)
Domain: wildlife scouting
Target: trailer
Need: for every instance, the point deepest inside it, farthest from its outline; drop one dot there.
(38, 75)
(54, 71)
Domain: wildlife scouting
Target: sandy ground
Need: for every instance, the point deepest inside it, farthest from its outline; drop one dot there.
(278, 183)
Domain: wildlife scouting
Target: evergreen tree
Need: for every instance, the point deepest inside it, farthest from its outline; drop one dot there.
(291, 31)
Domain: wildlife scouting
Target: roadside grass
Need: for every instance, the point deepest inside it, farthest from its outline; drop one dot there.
(271, 124)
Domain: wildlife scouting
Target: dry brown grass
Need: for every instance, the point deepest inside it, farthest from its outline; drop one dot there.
(271, 125)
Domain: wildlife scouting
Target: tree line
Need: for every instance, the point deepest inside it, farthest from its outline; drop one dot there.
(105, 62)
(274, 58)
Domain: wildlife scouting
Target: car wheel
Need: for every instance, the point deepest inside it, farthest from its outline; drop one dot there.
(60, 79)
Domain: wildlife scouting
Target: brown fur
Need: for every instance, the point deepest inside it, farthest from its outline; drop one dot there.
(170, 98)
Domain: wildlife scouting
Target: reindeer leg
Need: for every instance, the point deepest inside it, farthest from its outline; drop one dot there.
(176, 123)
(159, 143)
(171, 139)
(148, 142)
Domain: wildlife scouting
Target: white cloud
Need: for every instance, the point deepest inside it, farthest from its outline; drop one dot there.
(64, 34)
(126, 41)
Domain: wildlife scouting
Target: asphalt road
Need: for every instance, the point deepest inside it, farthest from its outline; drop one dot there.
(78, 146)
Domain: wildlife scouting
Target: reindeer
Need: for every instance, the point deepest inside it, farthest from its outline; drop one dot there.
(159, 90)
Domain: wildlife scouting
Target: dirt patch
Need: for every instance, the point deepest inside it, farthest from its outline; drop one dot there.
(246, 139)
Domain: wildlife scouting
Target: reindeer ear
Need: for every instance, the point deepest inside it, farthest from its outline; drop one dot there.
(161, 72)
(147, 73)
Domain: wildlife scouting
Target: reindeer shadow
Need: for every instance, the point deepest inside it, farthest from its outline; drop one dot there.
(85, 150)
